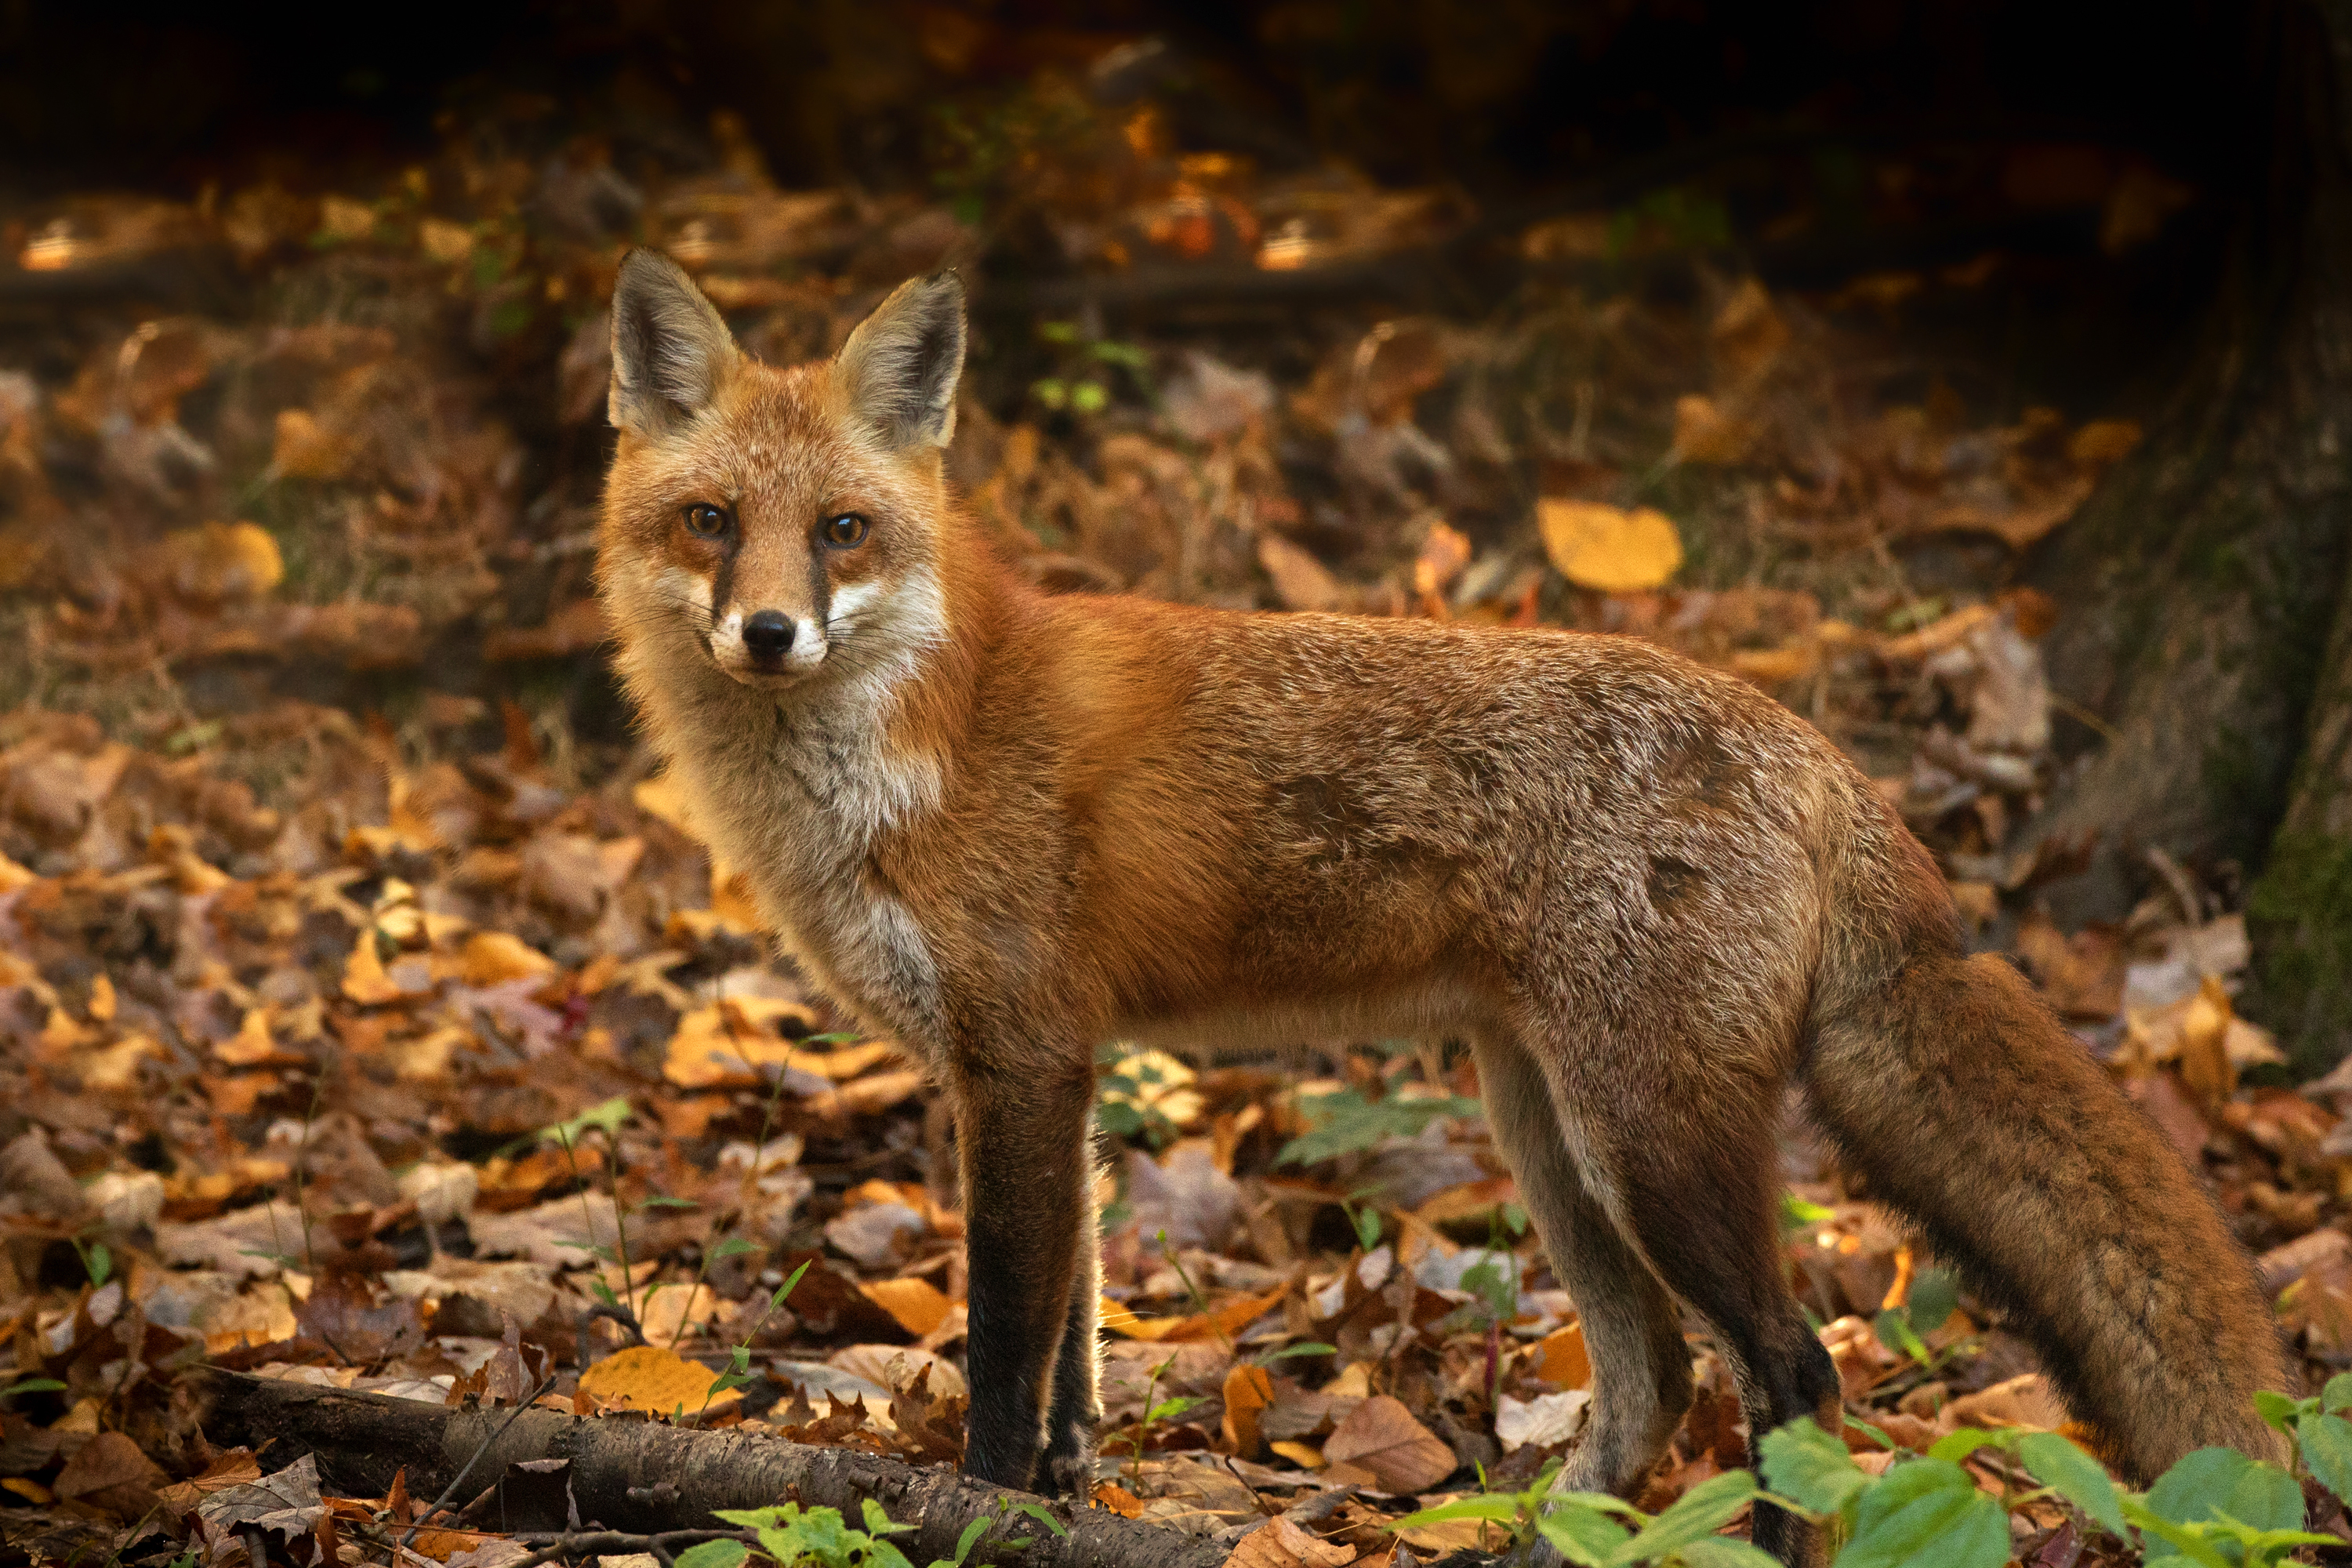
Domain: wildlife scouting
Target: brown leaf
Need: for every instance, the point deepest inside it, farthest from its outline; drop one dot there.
(1301, 581)
(1381, 1436)
(111, 1473)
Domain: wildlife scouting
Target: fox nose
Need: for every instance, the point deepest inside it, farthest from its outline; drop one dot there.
(767, 636)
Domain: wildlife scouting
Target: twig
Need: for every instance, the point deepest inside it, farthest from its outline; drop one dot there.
(616, 1542)
(459, 1478)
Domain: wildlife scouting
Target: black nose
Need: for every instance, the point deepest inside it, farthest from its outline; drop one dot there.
(768, 636)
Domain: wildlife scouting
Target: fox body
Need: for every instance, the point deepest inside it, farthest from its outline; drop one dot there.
(1003, 828)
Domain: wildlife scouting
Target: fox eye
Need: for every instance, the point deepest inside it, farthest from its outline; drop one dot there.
(845, 531)
(704, 521)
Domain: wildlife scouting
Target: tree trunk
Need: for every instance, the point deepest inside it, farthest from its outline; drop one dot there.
(2201, 584)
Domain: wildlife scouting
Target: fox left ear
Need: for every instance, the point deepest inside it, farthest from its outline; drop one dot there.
(671, 350)
(899, 368)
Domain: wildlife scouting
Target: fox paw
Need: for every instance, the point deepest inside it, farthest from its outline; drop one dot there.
(1066, 1469)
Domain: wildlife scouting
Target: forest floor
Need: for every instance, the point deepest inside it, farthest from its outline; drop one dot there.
(368, 1018)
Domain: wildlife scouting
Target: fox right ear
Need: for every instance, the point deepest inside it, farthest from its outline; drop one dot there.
(899, 368)
(671, 350)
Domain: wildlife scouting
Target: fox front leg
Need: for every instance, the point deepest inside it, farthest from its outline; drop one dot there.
(1028, 1196)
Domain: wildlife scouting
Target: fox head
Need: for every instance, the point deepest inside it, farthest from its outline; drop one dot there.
(785, 525)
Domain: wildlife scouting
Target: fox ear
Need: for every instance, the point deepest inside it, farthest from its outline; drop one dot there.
(898, 369)
(671, 352)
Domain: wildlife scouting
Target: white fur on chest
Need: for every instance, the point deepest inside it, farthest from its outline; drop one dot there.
(796, 800)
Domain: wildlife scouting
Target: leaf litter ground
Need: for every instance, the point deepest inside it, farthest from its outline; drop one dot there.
(369, 1018)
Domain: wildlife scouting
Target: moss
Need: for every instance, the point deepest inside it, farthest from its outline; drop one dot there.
(2300, 916)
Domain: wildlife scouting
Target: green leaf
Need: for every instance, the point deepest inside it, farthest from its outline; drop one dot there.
(2078, 1477)
(733, 1247)
(1796, 1213)
(877, 1522)
(607, 1117)
(1583, 1534)
(1502, 1506)
(1958, 1444)
(785, 1289)
(1926, 1513)
(1169, 1408)
(1895, 1332)
(967, 1541)
(1933, 1297)
(1715, 1552)
(660, 1201)
(1367, 1228)
(713, 1554)
(2212, 1483)
(1119, 1119)
(33, 1385)
(1805, 1463)
(1345, 1122)
(2174, 1539)
(99, 1262)
(1696, 1515)
(2280, 1411)
(1044, 1516)
(2337, 1395)
(2326, 1443)
(1312, 1347)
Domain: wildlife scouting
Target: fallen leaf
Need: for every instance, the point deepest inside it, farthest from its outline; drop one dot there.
(222, 561)
(492, 956)
(1546, 1420)
(1561, 1359)
(1604, 547)
(653, 1379)
(1706, 434)
(1301, 581)
(916, 1305)
(1381, 1436)
(109, 1472)
(1248, 1390)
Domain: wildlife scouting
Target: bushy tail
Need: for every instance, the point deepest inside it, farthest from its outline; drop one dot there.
(1973, 1112)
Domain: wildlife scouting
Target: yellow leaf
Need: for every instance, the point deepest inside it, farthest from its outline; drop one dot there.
(1305, 1455)
(364, 981)
(251, 1045)
(660, 797)
(445, 241)
(2103, 441)
(1600, 546)
(1561, 1359)
(1771, 666)
(306, 449)
(221, 561)
(1221, 1322)
(650, 1378)
(492, 956)
(915, 1305)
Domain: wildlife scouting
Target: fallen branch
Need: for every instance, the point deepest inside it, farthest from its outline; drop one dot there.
(642, 1478)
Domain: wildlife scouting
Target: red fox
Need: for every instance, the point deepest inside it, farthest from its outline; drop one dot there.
(1003, 828)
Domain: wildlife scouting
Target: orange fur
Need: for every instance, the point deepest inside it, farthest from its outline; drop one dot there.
(1003, 828)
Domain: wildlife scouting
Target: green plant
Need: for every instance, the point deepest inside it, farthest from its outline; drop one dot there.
(738, 1360)
(1345, 1122)
(1155, 1410)
(1082, 378)
(792, 1535)
(1594, 1531)
(1928, 1305)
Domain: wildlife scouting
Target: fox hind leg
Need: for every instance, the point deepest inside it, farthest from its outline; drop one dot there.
(1688, 1170)
(1632, 1330)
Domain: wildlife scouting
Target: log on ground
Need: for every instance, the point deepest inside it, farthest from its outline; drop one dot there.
(644, 1477)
